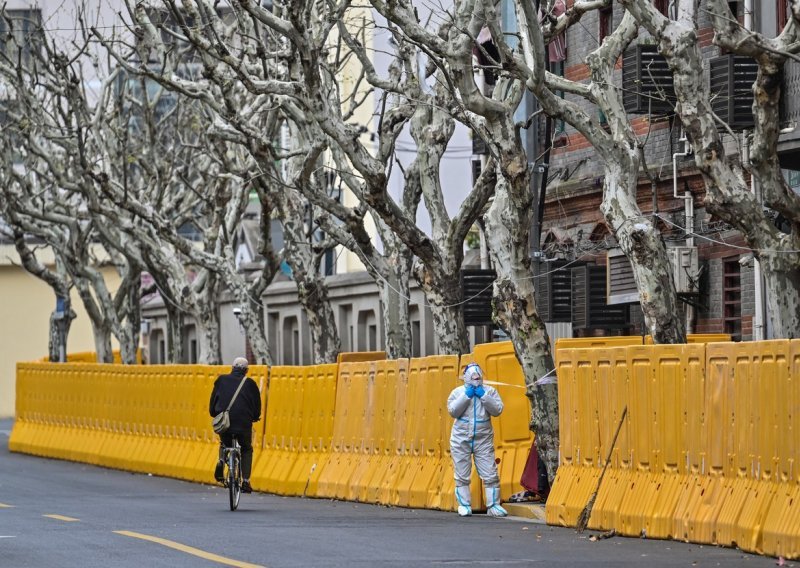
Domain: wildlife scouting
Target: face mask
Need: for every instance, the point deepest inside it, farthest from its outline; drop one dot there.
(473, 377)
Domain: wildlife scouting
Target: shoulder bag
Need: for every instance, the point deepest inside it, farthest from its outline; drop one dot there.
(222, 421)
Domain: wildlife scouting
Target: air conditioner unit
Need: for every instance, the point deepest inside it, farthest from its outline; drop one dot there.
(684, 268)
(731, 79)
(620, 283)
(646, 81)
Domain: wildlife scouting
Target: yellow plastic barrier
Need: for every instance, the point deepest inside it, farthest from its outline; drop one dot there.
(383, 487)
(697, 338)
(706, 453)
(319, 395)
(271, 465)
(361, 356)
(430, 380)
(349, 420)
(378, 433)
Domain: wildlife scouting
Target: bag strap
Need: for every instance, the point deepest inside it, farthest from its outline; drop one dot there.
(236, 393)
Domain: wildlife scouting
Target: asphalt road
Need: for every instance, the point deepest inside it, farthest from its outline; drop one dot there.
(62, 514)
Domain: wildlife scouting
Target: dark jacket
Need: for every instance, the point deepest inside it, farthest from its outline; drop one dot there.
(246, 408)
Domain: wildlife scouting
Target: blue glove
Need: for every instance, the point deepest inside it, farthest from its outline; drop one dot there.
(480, 391)
(470, 390)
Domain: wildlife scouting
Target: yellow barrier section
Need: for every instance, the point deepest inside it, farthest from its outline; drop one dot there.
(706, 453)
(360, 356)
(349, 422)
(316, 429)
(151, 419)
(392, 450)
(698, 338)
(281, 443)
(609, 341)
(91, 357)
(430, 380)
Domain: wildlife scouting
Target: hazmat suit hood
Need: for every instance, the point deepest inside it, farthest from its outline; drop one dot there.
(473, 375)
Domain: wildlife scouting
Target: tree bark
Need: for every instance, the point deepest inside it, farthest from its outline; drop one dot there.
(641, 243)
(395, 293)
(174, 334)
(508, 223)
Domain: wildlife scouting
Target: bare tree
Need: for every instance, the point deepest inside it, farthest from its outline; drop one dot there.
(508, 220)
(100, 151)
(621, 153)
(728, 195)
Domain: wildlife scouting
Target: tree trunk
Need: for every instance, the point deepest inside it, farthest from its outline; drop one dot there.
(130, 326)
(102, 344)
(782, 283)
(59, 332)
(174, 339)
(641, 243)
(443, 295)
(253, 317)
(396, 322)
(508, 222)
(208, 341)
(312, 292)
(56, 346)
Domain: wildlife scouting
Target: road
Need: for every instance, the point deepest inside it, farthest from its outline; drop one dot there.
(62, 514)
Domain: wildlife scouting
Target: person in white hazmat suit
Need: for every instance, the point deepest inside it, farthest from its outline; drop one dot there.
(473, 406)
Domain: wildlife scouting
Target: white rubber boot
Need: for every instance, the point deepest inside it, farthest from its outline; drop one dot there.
(493, 508)
(463, 498)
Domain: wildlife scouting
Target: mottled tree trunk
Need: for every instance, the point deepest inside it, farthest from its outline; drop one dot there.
(208, 341)
(102, 344)
(59, 332)
(782, 283)
(312, 292)
(252, 319)
(508, 225)
(443, 294)
(395, 292)
(130, 326)
(642, 244)
(174, 334)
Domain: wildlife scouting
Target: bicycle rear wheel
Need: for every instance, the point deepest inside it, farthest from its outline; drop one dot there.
(234, 479)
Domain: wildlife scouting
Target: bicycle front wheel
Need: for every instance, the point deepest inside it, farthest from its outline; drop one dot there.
(234, 480)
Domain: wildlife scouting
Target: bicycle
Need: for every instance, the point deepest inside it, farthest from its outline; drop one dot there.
(233, 474)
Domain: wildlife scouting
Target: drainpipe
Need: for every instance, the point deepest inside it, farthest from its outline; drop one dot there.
(758, 289)
(688, 207)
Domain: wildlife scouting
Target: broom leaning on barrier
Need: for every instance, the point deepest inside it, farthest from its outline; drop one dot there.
(583, 518)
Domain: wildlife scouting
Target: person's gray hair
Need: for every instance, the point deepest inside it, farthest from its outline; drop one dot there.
(240, 363)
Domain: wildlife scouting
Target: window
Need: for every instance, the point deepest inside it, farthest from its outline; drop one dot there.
(346, 327)
(661, 6)
(291, 341)
(783, 14)
(21, 35)
(732, 298)
(606, 21)
(367, 331)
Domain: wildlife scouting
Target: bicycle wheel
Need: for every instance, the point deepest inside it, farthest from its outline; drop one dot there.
(234, 477)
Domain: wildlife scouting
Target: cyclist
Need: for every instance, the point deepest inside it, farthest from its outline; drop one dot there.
(245, 410)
